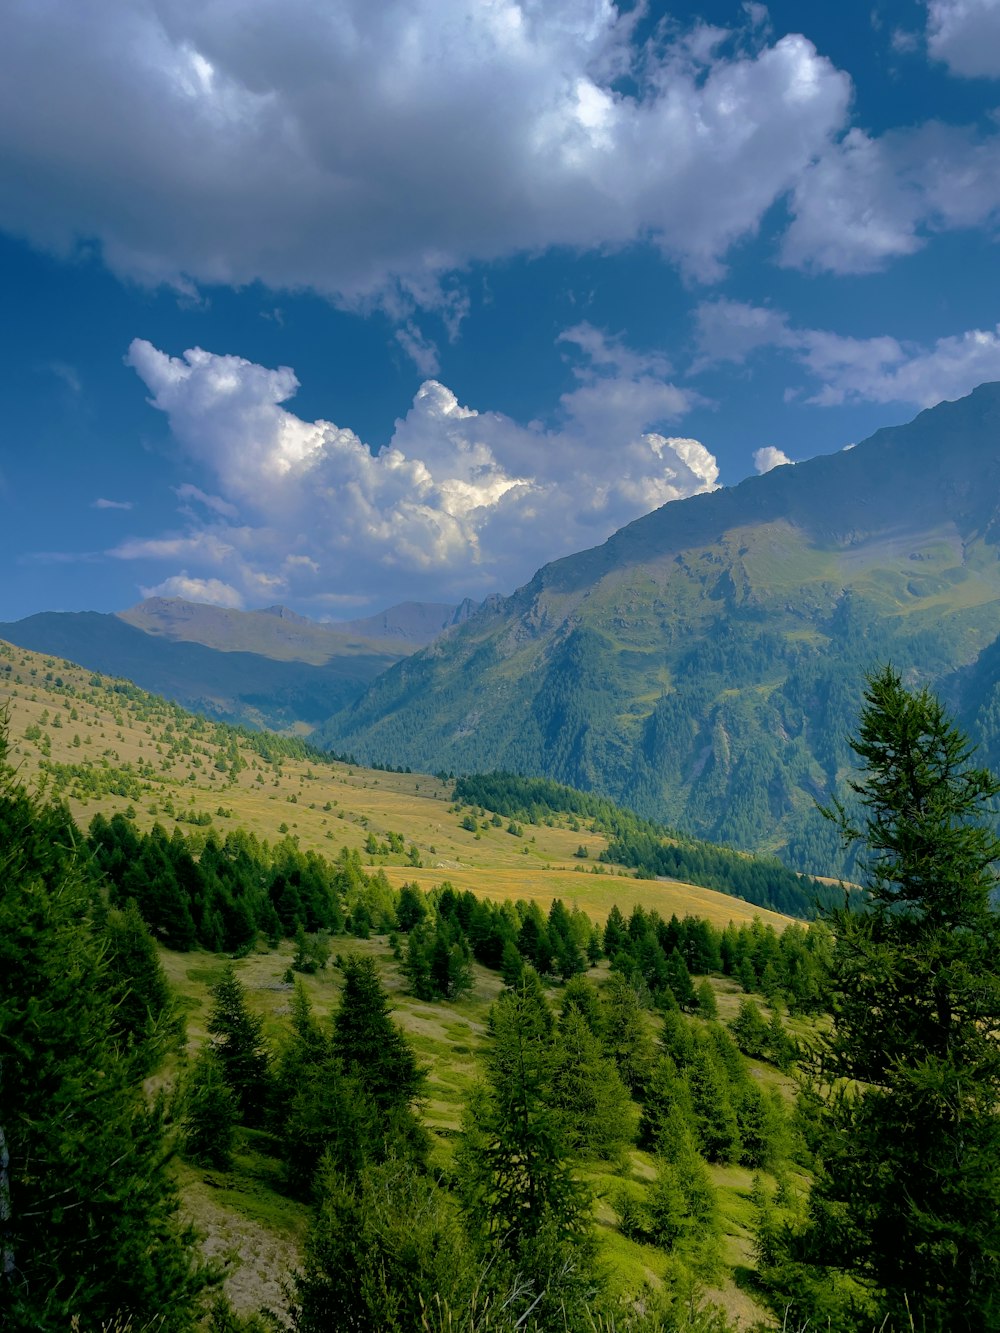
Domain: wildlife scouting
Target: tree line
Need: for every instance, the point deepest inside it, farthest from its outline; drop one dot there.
(650, 848)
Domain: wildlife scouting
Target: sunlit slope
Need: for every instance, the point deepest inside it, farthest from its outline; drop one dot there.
(705, 665)
(106, 746)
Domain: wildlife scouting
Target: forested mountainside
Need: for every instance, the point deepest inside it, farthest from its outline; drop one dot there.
(704, 665)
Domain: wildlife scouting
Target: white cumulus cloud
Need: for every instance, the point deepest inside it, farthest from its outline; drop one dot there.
(768, 458)
(965, 34)
(369, 150)
(873, 370)
(457, 501)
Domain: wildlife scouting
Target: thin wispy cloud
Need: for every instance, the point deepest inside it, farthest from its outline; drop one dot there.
(847, 369)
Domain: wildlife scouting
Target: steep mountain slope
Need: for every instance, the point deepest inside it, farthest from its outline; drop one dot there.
(705, 664)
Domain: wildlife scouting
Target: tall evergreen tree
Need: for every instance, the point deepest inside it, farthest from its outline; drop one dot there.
(384, 1250)
(88, 1211)
(906, 1200)
(240, 1046)
(525, 1210)
(375, 1052)
(318, 1110)
(210, 1113)
(145, 1015)
(515, 1154)
(588, 1089)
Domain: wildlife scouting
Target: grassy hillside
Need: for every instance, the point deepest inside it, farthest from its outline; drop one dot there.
(105, 746)
(249, 1220)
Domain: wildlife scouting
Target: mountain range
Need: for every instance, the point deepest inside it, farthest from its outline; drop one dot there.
(705, 665)
(271, 668)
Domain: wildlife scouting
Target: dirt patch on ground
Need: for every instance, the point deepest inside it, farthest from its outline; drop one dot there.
(256, 1260)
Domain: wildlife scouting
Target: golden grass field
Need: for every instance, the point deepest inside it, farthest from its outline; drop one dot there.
(171, 755)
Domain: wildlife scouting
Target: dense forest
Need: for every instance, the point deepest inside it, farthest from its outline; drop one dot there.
(873, 1202)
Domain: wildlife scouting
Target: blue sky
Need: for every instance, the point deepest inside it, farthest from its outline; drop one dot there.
(335, 304)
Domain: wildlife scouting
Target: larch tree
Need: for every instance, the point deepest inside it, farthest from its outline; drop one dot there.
(909, 1078)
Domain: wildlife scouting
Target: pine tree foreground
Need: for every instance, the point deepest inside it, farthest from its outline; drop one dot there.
(909, 1078)
(90, 1224)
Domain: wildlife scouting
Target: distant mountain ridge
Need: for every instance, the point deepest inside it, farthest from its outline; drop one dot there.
(413, 622)
(272, 668)
(274, 632)
(704, 665)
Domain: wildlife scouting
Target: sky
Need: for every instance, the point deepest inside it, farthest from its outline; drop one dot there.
(336, 305)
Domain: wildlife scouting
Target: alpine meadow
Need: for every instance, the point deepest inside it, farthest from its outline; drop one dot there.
(500, 666)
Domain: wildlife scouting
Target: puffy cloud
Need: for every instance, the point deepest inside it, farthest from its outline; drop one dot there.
(768, 458)
(369, 150)
(196, 590)
(965, 34)
(868, 200)
(457, 501)
(874, 370)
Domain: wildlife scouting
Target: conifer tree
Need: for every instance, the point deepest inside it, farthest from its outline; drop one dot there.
(240, 1046)
(383, 1251)
(626, 1036)
(515, 1153)
(906, 1200)
(318, 1110)
(371, 1046)
(588, 1089)
(376, 1054)
(525, 1211)
(211, 1112)
(88, 1211)
(144, 1008)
